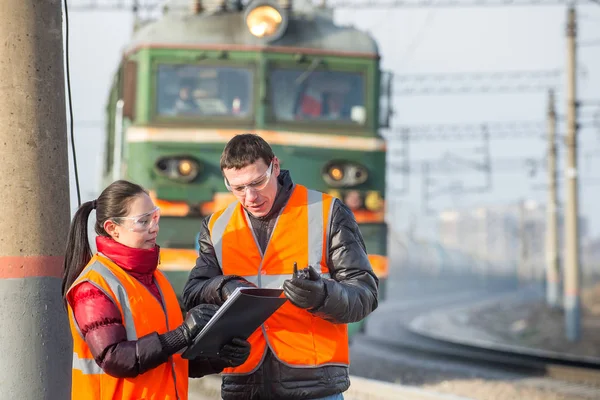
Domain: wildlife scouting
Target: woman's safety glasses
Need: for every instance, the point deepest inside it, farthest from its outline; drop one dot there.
(257, 185)
(139, 223)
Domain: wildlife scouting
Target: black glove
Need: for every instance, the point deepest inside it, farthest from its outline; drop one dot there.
(235, 353)
(307, 290)
(196, 319)
(228, 287)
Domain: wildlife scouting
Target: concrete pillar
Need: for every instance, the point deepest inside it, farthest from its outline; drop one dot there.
(35, 341)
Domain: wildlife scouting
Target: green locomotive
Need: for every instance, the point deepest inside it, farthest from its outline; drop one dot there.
(197, 76)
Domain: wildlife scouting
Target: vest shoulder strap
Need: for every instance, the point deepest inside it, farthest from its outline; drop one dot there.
(121, 299)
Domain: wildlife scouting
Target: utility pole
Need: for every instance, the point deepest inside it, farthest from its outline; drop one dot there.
(523, 262)
(571, 292)
(135, 10)
(35, 341)
(552, 266)
(427, 182)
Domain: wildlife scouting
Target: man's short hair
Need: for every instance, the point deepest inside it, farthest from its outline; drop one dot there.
(243, 150)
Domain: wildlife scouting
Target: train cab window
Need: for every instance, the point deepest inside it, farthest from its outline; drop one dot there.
(325, 96)
(203, 91)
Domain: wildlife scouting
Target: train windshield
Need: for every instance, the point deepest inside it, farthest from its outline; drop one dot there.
(323, 96)
(203, 91)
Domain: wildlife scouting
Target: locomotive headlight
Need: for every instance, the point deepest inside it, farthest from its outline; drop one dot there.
(344, 174)
(265, 20)
(336, 173)
(184, 169)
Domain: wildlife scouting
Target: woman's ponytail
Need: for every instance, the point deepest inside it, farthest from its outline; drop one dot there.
(78, 252)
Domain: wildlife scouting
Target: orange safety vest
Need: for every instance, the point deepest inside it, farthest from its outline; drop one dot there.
(142, 314)
(296, 337)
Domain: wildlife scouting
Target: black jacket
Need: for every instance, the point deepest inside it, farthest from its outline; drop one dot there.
(351, 296)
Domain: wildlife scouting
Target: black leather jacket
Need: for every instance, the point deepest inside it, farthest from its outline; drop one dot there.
(351, 296)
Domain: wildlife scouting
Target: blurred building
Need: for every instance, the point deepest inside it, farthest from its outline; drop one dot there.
(505, 239)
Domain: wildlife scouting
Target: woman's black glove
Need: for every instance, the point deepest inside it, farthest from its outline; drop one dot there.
(235, 353)
(196, 319)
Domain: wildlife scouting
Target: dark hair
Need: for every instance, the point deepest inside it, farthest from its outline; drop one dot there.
(243, 150)
(114, 201)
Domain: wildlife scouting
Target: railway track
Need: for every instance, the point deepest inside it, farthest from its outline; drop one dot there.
(390, 340)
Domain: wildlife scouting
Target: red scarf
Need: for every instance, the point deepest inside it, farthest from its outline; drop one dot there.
(139, 263)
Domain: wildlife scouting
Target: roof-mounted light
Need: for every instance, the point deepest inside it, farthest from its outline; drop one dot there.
(266, 20)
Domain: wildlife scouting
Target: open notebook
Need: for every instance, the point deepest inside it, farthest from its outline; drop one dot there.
(243, 312)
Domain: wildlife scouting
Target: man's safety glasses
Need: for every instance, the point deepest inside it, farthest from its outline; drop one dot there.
(139, 223)
(257, 185)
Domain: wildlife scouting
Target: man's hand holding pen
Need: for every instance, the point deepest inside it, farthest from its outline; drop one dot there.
(306, 289)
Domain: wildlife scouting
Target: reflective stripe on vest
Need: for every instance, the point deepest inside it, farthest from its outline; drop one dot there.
(87, 366)
(122, 298)
(121, 294)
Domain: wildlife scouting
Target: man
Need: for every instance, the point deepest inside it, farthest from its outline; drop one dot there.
(185, 103)
(301, 351)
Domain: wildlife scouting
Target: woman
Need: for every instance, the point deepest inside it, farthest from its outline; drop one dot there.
(125, 319)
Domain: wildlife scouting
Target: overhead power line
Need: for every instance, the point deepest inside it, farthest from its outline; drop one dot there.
(461, 132)
(477, 82)
(446, 3)
(114, 5)
(445, 166)
(149, 5)
(474, 131)
(478, 76)
(475, 89)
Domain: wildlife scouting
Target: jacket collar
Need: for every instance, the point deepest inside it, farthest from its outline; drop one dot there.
(138, 261)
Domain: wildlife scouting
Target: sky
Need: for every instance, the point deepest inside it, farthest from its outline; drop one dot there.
(411, 41)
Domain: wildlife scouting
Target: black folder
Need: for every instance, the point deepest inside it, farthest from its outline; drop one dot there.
(243, 312)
